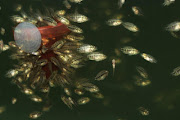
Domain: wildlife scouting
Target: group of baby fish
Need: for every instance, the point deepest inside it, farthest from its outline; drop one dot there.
(88, 49)
(128, 25)
(172, 28)
(175, 26)
(165, 3)
(68, 5)
(133, 51)
(143, 79)
(75, 37)
(3, 47)
(65, 19)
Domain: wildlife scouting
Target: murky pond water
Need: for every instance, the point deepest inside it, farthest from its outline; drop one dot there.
(125, 98)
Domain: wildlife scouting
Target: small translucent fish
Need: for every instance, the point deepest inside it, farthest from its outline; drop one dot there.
(72, 45)
(42, 62)
(74, 37)
(58, 44)
(120, 3)
(96, 56)
(149, 58)
(60, 12)
(76, 17)
(2, 31)
(139, 81)
(5, 47)
(113, 65)
(168, 2)
(17, 19)
(87, 86)
(36, 98)
(175, 35)
(1, 45)
(33, 20)
(143, 111)
(27, 91)
(142, 72)
(79, 91)
(45, 89)
(24, 15)
(55, 61)
(98, 95)
(130, 26)
(90, 87)
(35, 115)
(75, 66)
(68, 101)
(62, 19)
(64, 58)
(49, 21)
(17, 7)
(114, 22)
(2, 109)
(176, 71)
(83, 100)
(67, 4)
(137, 10)
(12, 73)
(101, 75)
(129, 50)
(38, 16)
(76, 60)
(67, 91)
(14, 100)
(12, 44)
(174, 26)
(86, 48)
(36, 53)
(75, 29)
(76, 1)
(46, 107)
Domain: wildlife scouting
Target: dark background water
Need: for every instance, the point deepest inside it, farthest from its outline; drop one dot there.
(122, 96)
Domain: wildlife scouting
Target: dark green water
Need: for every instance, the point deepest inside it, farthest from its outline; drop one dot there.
(122, 96)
